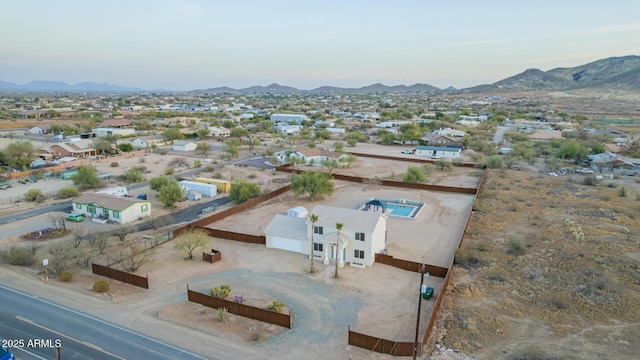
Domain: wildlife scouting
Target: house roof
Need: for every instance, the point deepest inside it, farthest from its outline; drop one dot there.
(309, 152)
(546, 135)
(115, 122)
(352, 219)
(107, 201)
(44, 127)
(614, 148)
(287, 226)
(183, 143)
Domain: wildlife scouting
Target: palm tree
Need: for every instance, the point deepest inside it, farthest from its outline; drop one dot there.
(314, 220)
(339, 227)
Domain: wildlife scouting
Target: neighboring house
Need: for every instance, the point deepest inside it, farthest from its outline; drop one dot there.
(78, 149)
(315, 156)
(288, 129)
(40, 130)
(438, 140)
(148, 141)
(184, 145)
(102, 132)
(436, 152)
(288, 118)
(219, 131)
(116, 123)
(614, 148)
(181, 120)
(362, 236)
(453, 133)
(608, 161)
(107, 207)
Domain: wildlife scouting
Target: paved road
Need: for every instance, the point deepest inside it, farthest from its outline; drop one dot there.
(26, 318)
(63, 206)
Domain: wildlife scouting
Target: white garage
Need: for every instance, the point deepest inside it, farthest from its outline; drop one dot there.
(285, 232)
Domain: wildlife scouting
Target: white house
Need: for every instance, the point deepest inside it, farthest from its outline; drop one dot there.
(148, 141)
(288, 118)
(40, 129)
(288, 129)
(315, 156)
(436, 152)
(362, 236)
(107, 207)
(219, 131)
(184, 145)
(450, 132)
(102, 132)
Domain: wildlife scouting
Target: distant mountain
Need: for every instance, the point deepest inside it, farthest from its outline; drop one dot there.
(612, 73)
(280, 89)
(58, 86)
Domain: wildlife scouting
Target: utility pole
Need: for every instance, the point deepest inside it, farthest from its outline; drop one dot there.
(415, 342)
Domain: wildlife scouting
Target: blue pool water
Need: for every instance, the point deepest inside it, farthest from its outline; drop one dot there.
(401, 209)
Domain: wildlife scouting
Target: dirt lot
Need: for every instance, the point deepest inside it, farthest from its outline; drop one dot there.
(373, 300)
(560, 296)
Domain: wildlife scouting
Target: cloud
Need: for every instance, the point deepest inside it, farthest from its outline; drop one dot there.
(611, 29)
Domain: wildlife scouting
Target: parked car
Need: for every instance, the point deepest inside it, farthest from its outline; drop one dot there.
(407, 151)
(584, 171)
(5, 354)
(5, 186)
(75, 217)
(142, 197)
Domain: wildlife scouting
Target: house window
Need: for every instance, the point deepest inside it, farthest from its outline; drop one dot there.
(360, 236)
(358, 254)
(318, 230)
(116, 214)
(144, 208)
(91, 209)
(78, 206)
(317, 247)
(105, 212)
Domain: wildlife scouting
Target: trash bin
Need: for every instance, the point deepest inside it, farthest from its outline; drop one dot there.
(428, 293)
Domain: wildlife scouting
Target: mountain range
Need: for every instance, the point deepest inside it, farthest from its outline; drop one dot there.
(620, 73)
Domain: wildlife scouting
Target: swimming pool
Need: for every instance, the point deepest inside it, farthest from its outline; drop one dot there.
(406, 209)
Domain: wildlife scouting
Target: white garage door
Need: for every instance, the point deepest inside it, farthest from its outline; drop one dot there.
(286, 244)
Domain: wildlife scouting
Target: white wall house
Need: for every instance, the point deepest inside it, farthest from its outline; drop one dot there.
(184, 145)
(288, 118)
(148, 141)
(315, 156)
(436, 152)
(362, 236)
(39, 130)
(102, 132)
(219, 131)
(121, 210)
(288, 129)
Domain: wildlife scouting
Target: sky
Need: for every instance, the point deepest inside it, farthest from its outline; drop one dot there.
(198, 44)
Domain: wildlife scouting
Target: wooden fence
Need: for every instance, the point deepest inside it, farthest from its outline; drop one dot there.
(400, 184)
(372, 343)
(409, 159)
(437, 271)
(119, 275)
(236, 236)
(213, 256)
(247, 311)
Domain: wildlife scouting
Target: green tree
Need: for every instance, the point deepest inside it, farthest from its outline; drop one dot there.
(134, 175)
(86, 177)
(125, 147)
(313, 183)
(203, 148)
(103, 145)
(252, 142)
(172, 135)
(330, 164)
(494, 162)
(190, 241)
(413, 175)
(20, 153)
(386, 136)
(313, 219)
(170, 193)
(572, 150)
(242, 190)
(239, 132)
(202, 133)
(156, 183)
(339, 146)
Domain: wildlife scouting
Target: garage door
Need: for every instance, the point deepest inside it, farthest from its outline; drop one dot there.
(286, 244)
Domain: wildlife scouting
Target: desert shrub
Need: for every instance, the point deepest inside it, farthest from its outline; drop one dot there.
(516, 245)
(33, 194)
(65, 276)
(531, 352)
(221, 291)
(589, 180)
(210, 168)
(221, 314)
(114, 164)
(468, 258)
(169, 170)
(494, 162)
(101, 286)
(67, 192)
(276, 306)
(622, 192)
(197, 163)
(19, 256)
(141, 160)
